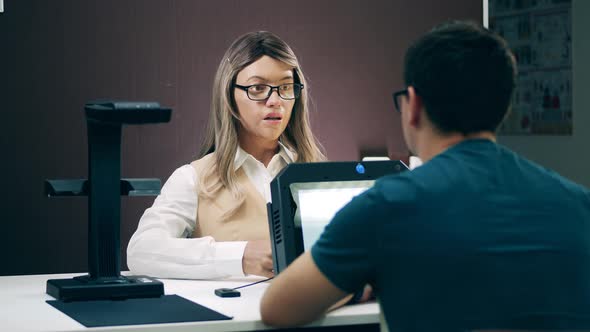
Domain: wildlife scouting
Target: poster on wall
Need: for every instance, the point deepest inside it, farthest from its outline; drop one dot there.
(540, 35)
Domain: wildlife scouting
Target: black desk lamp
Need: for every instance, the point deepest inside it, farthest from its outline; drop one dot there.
(104, 188)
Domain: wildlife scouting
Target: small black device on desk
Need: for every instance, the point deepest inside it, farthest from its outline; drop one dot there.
(233, 292)
(227, 292)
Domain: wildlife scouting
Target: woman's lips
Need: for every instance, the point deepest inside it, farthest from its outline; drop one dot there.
(273, 117)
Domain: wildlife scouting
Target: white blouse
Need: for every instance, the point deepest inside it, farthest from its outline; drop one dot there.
(162, 245)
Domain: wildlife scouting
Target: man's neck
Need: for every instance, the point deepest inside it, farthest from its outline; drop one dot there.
(435, 143)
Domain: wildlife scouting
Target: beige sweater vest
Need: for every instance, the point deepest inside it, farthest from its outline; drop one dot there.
(248, 223)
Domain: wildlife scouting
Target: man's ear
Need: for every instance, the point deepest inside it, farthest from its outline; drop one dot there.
(415, 107)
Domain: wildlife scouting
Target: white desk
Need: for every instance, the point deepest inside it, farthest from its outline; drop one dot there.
(23, 307)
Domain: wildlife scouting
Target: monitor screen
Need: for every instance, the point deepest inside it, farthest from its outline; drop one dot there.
(318, 202)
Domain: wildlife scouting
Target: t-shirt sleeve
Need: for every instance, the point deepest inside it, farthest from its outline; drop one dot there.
(344, 253)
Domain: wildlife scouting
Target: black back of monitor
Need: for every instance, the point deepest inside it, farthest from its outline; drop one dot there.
(286, 239)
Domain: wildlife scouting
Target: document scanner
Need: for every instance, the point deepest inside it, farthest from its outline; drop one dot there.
(104, 187)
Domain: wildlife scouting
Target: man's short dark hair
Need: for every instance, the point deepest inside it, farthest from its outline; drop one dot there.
(465, 75)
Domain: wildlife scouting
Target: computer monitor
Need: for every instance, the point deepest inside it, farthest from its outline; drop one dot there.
(306, 196)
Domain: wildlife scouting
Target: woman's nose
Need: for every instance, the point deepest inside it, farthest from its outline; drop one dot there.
(274, 99)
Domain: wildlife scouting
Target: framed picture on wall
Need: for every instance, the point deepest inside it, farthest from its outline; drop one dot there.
(540, 35)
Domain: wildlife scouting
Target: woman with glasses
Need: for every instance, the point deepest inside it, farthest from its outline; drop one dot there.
(210, 219)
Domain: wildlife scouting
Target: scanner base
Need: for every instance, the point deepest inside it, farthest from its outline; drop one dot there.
(84, 288)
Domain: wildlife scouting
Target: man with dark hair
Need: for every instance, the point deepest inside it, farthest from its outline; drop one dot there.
(476, 238)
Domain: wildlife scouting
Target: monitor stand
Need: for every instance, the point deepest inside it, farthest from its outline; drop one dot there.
(104, 188)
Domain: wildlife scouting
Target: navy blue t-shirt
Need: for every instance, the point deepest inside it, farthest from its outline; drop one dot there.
(477, 237)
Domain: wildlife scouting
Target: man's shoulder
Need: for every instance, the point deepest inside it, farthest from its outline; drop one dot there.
(435, 180)
(430, 173)
(403, 188)
(543, 175)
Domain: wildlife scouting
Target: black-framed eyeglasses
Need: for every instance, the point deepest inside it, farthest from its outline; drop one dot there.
(396, 96)
(258, 92)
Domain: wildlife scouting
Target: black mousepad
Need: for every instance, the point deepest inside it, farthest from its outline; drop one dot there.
(165, 309)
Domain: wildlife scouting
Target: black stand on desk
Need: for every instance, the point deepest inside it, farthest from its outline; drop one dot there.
(104, 188)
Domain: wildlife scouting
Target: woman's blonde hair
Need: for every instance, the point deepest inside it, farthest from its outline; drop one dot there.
(221, 136)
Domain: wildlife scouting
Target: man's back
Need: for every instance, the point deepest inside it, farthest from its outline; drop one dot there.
(479, 237)
(476, 238)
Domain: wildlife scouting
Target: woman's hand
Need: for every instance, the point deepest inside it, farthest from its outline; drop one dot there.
(257, 258)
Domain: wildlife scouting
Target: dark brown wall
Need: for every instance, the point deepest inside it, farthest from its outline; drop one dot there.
(56, 55)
